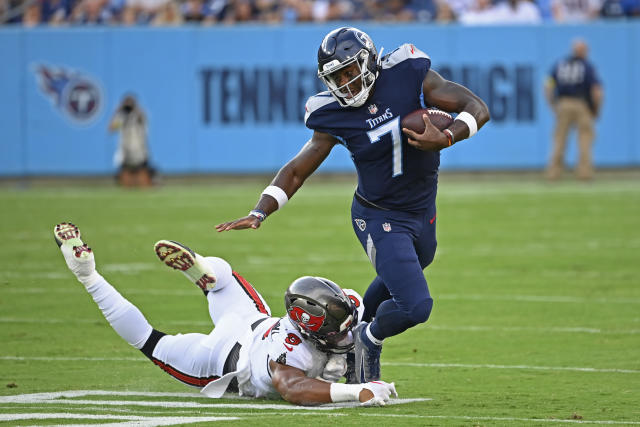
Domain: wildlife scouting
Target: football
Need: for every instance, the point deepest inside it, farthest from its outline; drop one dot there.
(413, 120)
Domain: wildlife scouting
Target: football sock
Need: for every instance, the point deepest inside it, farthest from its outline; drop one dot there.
(373, 339)
(224, 276)
(124, 317)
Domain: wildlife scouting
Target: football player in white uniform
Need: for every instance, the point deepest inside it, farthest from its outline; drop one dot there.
(299, 357)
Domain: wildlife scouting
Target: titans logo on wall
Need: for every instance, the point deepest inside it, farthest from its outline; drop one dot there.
(77, 96)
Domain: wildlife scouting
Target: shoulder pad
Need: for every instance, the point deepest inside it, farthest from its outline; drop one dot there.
(317, 101)
(404, 52)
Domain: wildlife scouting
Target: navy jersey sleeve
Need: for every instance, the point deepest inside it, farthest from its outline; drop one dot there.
(314, 117)
(409, 56)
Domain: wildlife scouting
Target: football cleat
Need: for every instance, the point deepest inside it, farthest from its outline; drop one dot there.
(78, 256)
(180, 257)
(367, 354)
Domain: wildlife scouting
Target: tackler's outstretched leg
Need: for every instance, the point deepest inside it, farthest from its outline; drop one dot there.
(194, 359)
(226, 290)
(124, 317)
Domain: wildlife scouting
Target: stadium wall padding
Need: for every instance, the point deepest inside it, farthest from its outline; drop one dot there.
(231, 99)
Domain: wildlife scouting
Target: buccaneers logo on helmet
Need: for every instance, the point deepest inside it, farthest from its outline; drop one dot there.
(306, 320)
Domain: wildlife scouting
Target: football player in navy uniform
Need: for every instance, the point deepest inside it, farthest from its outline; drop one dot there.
(393, 210)
(299, 357)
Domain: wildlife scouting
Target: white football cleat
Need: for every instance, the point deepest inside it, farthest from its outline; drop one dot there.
(180, 257)
(77, 254)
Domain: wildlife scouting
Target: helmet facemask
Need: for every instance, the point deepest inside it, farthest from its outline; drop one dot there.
(343, 93)
(337, 342)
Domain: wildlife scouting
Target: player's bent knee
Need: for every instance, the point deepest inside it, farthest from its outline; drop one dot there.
(222, 270)
(422, 311)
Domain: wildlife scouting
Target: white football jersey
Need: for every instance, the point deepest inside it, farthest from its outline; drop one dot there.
(279, 340)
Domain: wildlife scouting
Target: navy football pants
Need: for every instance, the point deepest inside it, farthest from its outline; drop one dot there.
(400, 245)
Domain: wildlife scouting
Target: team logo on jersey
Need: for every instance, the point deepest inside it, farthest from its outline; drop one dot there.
(361, 223)
(388, 114)
(373, 108)
(386, 227)
(76, 95)
(306, 320)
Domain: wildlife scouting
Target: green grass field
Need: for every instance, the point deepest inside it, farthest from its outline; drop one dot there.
(536, 318)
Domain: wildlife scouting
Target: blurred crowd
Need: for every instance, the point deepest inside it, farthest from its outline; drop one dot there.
(31, 13)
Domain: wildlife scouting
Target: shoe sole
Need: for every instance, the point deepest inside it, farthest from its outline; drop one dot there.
(68, 234)
(180, 257)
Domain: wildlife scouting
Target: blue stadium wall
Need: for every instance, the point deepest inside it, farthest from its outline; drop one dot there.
(231, 99)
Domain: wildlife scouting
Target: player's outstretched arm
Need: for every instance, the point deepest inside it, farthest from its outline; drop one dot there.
(295, 387)
(473, 113)
(287, 181)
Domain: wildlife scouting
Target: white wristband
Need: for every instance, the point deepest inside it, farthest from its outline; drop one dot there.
(278, 194)
(470, 121)
(345, 392)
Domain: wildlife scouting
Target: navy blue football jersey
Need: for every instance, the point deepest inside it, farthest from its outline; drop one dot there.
(391, 173)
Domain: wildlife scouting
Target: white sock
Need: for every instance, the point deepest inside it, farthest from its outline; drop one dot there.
(124, 317)
(373, 339)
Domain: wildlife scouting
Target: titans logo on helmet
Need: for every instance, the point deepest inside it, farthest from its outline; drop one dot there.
(77, 96)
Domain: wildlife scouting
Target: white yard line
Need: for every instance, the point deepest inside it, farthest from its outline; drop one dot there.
(69, 398)
(525, 420)
(127, 420)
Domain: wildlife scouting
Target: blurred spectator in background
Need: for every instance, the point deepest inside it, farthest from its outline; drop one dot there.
(208, 12)
(55, 12)
(394, 10)
(132, 155)
(444, 13)
(575, 10)
(478, 12)
(620, 9)
(575, 94)
(90, 12)
(168, 15)
(296, 11)
(336, 10)
(196, 11)
(32, 16)
(505, 12)
(268, 10)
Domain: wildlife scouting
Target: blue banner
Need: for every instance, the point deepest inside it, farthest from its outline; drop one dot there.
(231, 99)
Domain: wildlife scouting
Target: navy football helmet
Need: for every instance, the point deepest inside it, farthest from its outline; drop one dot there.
(322, 313)
(342, 48)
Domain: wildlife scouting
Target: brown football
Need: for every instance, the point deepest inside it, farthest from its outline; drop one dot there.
(414, 121)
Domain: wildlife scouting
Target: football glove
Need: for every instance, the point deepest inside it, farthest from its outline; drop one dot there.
(381, 392)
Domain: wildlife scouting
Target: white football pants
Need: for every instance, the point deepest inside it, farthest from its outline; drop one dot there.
(194, 359)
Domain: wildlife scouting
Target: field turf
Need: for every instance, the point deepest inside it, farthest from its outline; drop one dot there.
(536, 318)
